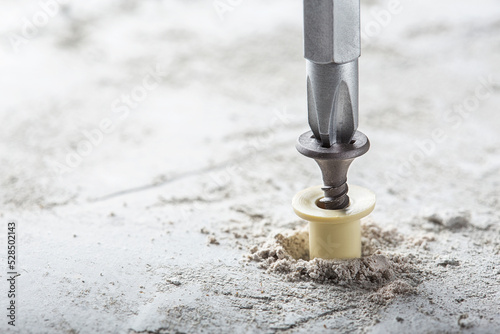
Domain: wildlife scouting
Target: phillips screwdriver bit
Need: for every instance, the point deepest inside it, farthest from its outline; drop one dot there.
(332, 46)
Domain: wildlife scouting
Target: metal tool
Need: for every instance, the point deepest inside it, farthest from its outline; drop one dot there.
(332, 47)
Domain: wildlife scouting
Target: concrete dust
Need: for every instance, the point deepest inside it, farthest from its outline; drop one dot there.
(380, 268)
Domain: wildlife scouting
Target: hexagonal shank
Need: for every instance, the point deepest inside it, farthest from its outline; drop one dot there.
(332, 31)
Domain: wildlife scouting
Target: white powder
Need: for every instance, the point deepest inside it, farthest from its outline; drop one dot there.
(288, 254)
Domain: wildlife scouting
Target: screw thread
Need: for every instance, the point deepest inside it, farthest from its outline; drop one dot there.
(336, 198)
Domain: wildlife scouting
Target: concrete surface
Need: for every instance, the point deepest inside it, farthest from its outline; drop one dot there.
(147, 145)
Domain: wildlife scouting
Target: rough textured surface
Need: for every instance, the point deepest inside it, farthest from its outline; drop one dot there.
(288, 255)
(147, 228)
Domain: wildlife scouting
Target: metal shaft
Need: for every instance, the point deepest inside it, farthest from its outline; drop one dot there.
(332, 46)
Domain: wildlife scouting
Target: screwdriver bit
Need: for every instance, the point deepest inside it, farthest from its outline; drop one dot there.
(332, 46)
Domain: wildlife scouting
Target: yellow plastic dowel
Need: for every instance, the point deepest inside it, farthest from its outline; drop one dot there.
(334, 234)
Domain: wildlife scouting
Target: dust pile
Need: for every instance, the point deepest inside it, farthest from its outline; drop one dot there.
(380, 266)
